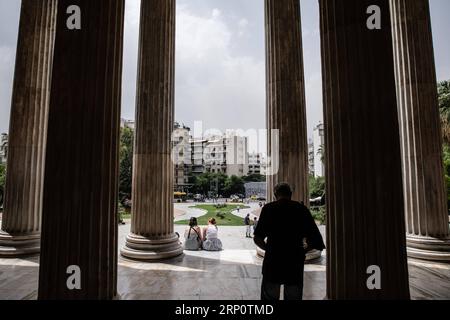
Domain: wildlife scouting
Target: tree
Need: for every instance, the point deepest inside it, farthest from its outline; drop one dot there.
(316, 186)
(234, 185)
(316, 190)
(202, 184)
(444, 109)
(126, 162)
(209, 182)
(254, 178)
(447, 170)
(220, 180)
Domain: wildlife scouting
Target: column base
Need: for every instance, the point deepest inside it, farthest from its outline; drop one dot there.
(431, 249)
(145, 249)
(12, 246)
(310, 256)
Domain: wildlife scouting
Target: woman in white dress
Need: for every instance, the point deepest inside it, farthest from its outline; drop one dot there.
(211, 241)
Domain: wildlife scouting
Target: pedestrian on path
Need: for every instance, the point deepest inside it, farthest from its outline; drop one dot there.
(248, 228)
(255, 223)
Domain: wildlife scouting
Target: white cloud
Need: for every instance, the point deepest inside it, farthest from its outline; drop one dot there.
(216, 13)
(198, 38)
(9, 23)
(314, 109)
(131, 38)
(132, 12)
(243, 23)
(215, 84)
(7, 62)
(6, 54)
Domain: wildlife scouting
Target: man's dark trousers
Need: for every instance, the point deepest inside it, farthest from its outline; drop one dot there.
(270, 291)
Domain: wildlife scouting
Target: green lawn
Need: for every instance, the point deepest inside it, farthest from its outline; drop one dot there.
(126, 216)
(225, 219)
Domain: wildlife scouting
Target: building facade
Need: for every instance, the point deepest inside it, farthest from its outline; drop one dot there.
(319, 149)
(257, 163)
(227, 154)
(311, 157)
(181, 157)
(197, 149)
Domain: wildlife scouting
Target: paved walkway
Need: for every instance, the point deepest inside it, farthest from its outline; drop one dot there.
(187, 211)
(232, 274)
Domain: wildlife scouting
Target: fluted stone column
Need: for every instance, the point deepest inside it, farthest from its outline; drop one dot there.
(152, 235)
(286, 106)
(21, 222)
(79, 226)
(365, 210)
(421, 141)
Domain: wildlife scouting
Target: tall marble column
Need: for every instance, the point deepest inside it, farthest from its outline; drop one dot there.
(152, 235)
(21, 222)
(286, 105)
(365, 209)
(423, 175)
(79, 223)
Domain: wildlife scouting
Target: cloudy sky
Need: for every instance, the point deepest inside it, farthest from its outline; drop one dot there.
(220, 64)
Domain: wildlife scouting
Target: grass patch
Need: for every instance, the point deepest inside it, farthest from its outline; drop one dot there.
(126, 216)
(223, 215)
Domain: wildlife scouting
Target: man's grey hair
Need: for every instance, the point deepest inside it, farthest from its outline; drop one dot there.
(282, 189)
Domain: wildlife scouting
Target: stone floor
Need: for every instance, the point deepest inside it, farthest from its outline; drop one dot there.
(234, 274)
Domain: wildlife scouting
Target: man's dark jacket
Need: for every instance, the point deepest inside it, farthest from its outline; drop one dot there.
(285, 223)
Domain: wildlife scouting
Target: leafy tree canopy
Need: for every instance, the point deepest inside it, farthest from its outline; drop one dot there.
(126, 162)
(444, 108)
(316, 186)
(254, 178)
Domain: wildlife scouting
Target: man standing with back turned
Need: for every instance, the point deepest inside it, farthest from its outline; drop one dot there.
(283, 225)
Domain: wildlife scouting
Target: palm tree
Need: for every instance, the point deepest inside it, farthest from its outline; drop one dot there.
(444, 109)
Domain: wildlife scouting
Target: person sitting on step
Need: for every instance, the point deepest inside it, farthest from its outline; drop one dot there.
(193, 236)
(211, 242)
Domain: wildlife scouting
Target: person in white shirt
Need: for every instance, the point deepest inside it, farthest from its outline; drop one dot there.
(211, 241)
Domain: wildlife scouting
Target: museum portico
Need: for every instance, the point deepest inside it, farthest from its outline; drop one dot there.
(63, 162)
